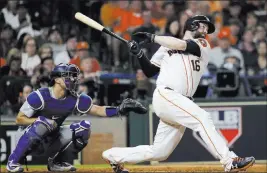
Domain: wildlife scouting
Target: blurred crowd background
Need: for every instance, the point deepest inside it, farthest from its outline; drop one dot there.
(36, 35)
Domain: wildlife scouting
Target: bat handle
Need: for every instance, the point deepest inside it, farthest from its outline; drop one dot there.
(114, 35)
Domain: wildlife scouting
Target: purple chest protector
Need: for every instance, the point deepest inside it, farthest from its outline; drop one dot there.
(56, 109)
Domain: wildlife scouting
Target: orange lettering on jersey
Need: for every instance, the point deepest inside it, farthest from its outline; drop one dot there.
(203, 42)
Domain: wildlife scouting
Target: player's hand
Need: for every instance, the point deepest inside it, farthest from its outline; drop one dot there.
(144, 37)
(134, 47)
(128, 105)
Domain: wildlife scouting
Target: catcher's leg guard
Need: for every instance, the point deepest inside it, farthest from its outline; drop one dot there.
(73, 139)
(80, 134)
(32, 136)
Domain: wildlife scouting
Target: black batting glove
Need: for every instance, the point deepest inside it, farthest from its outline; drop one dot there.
(134, 48)
(145, 37)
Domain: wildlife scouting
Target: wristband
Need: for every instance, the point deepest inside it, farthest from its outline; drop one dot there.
(111, 111)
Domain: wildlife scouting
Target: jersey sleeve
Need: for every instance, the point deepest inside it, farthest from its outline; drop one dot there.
(27, 109)
(33, 103)
(204, 48)
(35, 100)
(84, 103)
(158, 56)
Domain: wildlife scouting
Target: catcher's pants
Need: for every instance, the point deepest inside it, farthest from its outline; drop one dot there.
(60, 140)
(176, 112)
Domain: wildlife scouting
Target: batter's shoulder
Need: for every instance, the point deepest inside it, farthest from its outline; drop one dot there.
(202, 42)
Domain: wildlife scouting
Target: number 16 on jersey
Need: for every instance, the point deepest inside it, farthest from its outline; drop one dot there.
(195, 65)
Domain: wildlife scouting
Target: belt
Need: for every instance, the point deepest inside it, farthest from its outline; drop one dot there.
(168, 88)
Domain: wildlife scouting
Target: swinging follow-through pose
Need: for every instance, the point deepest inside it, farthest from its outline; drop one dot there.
(180, 64)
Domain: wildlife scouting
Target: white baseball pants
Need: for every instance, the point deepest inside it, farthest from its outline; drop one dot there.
(176, 112)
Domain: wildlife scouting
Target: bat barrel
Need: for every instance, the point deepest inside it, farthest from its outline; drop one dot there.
(90, 22)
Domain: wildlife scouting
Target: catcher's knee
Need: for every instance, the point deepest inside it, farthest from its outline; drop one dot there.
(40, 128)
(36, 132)
(80, 134)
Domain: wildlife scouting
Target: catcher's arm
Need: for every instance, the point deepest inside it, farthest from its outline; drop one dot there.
(124, 108)
(23, 120)
(28, 109)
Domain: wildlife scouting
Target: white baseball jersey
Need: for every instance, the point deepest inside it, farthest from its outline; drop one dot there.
(181, 71)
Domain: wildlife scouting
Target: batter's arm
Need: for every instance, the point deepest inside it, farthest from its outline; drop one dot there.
(171, 42)
(148, 68)
(189, 46)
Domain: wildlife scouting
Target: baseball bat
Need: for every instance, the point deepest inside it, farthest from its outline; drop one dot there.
(90, 22)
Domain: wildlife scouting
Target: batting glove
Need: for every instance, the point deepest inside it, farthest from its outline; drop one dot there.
(145, 37)
(134, 48)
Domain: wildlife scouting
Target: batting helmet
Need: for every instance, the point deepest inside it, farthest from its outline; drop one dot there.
(69, 72)
(192, 24)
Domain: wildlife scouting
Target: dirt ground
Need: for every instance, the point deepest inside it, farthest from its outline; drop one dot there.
(156, 168)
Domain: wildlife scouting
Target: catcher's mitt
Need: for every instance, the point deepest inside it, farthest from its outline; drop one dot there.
(128, 105)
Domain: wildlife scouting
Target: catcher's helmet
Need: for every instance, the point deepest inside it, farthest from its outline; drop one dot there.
(192, 24)
(69, 72)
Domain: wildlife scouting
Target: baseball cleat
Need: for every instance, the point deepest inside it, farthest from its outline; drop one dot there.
(117, 168)
(14, 167)
(60, 166)
(242, 164)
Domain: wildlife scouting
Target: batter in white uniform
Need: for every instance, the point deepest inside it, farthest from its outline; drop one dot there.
(180, 64)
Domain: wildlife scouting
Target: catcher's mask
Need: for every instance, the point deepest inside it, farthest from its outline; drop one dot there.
(69, 73)
(192, 24)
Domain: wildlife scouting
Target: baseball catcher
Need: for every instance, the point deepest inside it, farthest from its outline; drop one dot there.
(44, 112)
